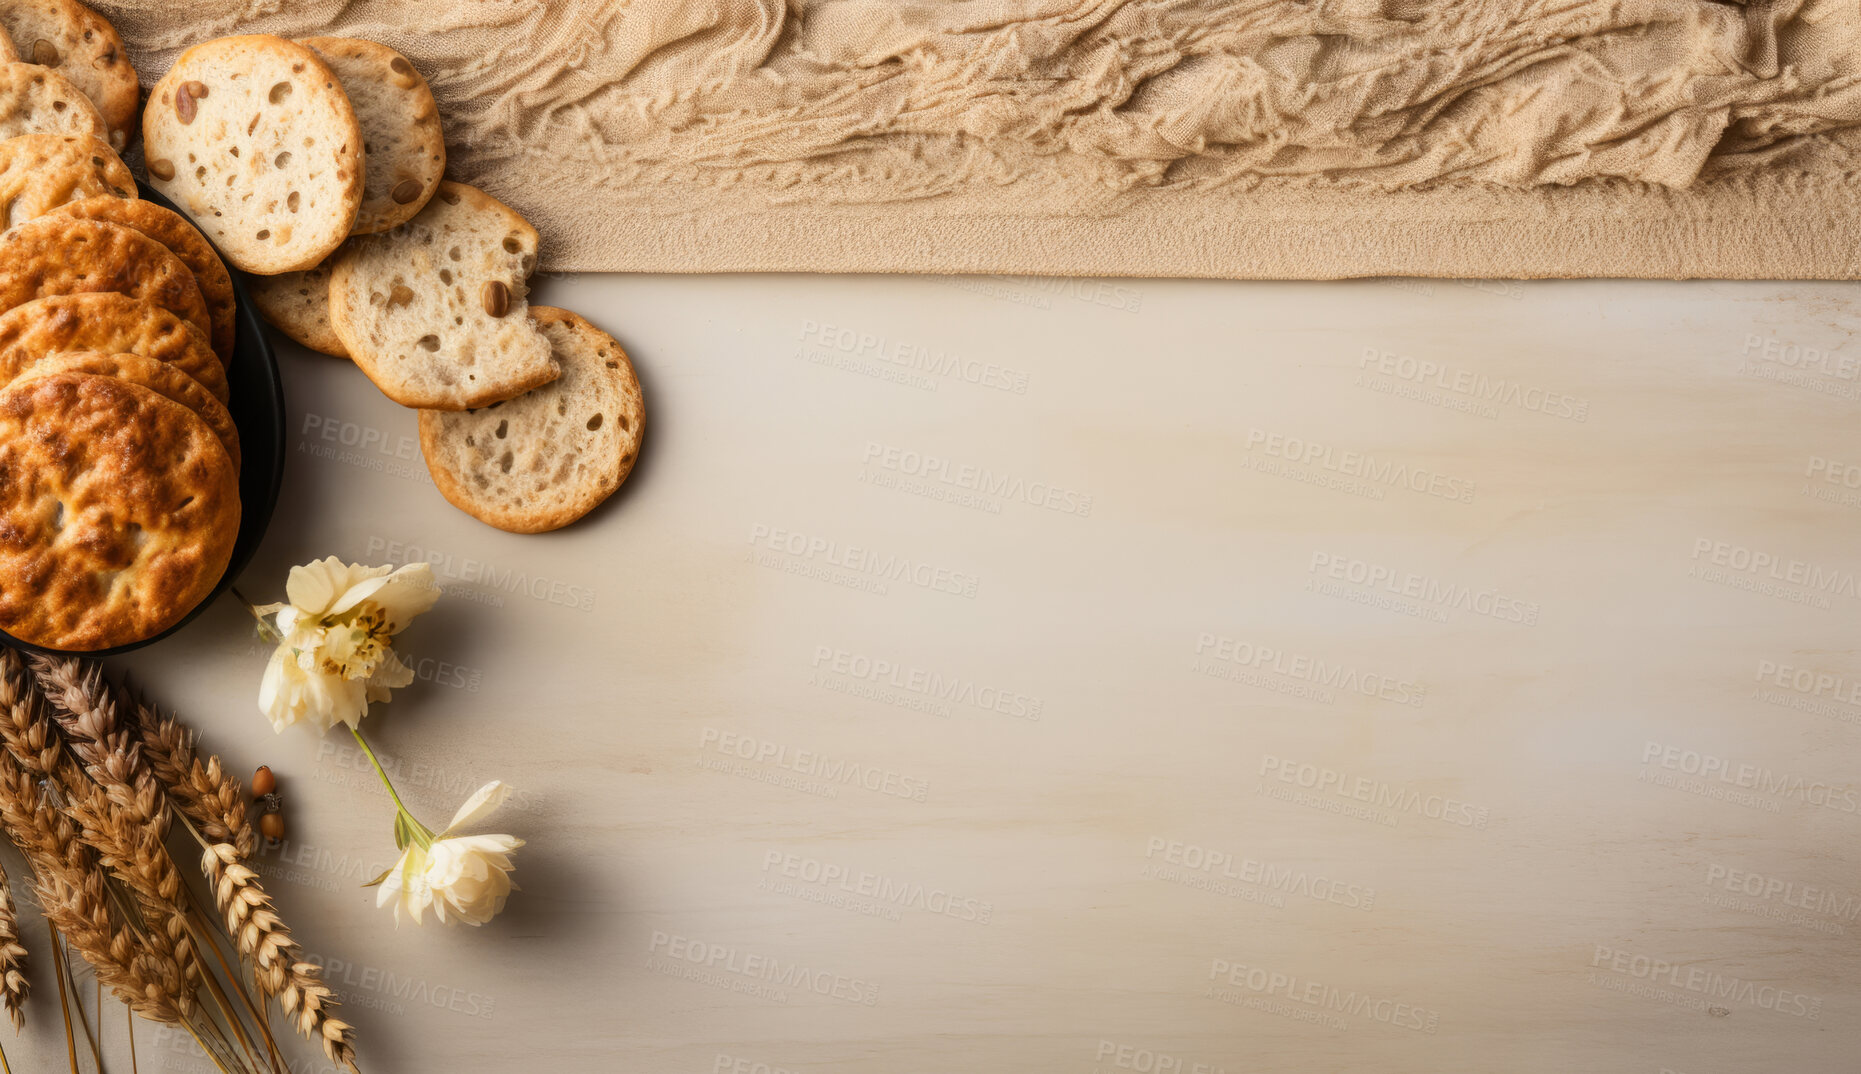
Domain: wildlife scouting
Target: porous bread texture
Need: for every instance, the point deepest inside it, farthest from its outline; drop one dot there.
(254, 138)
(404, 148)
(119, 509)
(39, 100)
(82, 46)
(183, 240)
(39, 172)
(546, 458)
(108, 322)
(434, 310)
(298, 304)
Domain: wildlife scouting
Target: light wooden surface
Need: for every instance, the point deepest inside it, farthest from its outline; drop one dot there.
(1382, 676)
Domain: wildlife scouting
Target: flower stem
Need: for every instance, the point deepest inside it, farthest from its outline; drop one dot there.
(266, 631)
(420, 833)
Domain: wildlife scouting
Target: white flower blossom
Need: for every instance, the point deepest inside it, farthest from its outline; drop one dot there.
(335, 653)
(462, 877)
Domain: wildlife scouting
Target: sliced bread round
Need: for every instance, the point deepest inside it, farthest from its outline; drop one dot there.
(298, 304)
(546, 458)
(39, 100)
(81, 45)
(254, 138)
(434, 310)
(401, 139)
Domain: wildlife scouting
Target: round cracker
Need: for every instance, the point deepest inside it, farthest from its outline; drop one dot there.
(185, 241)
(254, 138)
(62, 256)
(404, 149)
(546, 458)
(118, 511)
(298, 304)
(157, 376)
(39, 100)
(39, 172)
(82, 46)
(106, 322)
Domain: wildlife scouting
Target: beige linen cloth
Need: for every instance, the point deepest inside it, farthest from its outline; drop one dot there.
(1228, 138)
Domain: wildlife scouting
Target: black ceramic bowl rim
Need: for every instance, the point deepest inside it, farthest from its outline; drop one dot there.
(257, 406)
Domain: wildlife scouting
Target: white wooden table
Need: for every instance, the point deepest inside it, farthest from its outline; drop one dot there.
(1147, 676)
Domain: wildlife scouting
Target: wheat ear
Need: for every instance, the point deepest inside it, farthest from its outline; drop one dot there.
(203, 793)
(14, 987)
(275, 954)
(119, 809)
(70, 887)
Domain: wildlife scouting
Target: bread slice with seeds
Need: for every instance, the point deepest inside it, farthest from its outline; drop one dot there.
(434, 310)
(81, 45)
(254, 138)
(298, 304)
(404, 148)
(546, 458)
(39, 100)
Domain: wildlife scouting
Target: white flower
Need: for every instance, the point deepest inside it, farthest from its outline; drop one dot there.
(335, 654)
(462, 877)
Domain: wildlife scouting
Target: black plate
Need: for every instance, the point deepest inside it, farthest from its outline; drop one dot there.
(256, 400)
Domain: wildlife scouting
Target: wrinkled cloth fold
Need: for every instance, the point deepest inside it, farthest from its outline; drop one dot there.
(1135, 137)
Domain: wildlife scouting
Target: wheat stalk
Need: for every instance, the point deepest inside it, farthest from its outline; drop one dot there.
(133, 780)
(265, 939)
(203, 793)
(70, 887)
(14, 987)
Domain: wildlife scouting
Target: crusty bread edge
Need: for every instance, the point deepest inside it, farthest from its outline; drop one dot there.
(454, 490)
